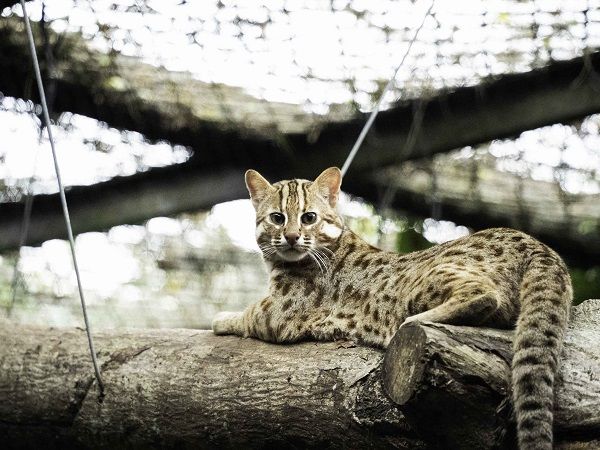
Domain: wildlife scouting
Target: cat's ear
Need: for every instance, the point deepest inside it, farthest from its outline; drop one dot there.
(257, 186)
(328, 184)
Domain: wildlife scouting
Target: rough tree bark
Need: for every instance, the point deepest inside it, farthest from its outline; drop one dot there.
(190, 389)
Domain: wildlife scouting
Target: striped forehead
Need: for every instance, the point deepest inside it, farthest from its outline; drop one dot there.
(293, 195)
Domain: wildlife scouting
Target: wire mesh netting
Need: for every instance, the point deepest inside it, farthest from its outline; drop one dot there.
(270, 49)
(331, 58)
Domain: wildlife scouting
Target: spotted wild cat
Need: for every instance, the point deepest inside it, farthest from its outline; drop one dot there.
(327, 283)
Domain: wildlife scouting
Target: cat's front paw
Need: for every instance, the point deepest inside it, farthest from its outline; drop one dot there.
(226, 322)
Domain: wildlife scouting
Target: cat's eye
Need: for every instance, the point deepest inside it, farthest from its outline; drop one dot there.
(308, 218)
(277, 218)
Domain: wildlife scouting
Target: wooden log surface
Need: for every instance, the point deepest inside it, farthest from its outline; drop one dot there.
(451, 381)
(191, 389)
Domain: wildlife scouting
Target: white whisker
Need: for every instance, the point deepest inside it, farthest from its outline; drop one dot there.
(322, 252)
(267, 249)
(315, 259)
(320, 258)
(325, 249)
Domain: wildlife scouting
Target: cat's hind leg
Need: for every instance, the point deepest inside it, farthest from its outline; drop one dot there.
(470, 303)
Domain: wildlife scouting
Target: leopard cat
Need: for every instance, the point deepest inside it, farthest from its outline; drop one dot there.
(326, 283)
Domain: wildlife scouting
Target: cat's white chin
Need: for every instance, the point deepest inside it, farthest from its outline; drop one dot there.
(292, 255)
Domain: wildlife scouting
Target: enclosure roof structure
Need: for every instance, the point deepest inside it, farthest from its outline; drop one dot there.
(535, 65)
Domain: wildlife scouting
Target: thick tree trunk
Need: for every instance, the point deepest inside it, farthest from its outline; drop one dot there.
(451, 381)
(191, 389)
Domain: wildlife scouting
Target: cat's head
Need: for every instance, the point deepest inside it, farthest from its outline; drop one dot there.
(296, 219)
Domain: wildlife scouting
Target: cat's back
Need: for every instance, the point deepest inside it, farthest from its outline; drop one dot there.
(494, 247)
(492, 259)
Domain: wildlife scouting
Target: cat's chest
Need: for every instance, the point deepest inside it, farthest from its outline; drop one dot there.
(371, 275)
(300, 286)
(359, 303)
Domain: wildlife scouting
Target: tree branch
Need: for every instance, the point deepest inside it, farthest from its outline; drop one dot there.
(162, 192)
(191, 389)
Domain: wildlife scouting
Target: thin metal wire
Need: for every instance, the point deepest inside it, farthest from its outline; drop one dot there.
(61, 189)
(388, 86)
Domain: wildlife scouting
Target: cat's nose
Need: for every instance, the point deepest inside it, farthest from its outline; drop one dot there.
(292, 238)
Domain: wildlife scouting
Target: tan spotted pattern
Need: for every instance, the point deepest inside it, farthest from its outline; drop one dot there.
(327, 283)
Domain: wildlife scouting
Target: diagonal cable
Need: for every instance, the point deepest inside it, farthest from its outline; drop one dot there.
(388, 86)
(63, 200)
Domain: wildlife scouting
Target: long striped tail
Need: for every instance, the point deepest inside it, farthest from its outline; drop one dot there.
(546, 296)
